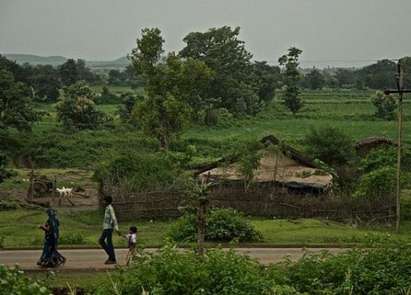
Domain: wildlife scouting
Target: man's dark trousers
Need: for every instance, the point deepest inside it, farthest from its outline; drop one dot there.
(106, 242)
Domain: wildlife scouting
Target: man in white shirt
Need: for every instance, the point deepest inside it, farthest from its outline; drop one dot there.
(109, 224)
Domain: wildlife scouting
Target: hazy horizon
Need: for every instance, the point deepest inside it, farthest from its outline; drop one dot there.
(330, 32)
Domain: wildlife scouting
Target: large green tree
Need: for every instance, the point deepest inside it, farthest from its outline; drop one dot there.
(76, 108)
(173, 87)
(222, 51)
(68, 72)
(16, 109)
(15, 112)
(267, 78)
(73, 71)
(292, 76)
(380, 75)
(314, 79)
(45, 83)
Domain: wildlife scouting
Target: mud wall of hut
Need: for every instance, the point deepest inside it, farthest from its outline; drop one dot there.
(257, 201)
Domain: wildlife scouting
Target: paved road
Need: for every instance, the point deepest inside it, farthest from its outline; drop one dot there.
(92, 259)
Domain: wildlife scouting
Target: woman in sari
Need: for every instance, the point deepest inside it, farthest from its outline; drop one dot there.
(50, 256)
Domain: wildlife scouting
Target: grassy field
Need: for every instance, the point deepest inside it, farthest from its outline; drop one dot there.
(19, 229)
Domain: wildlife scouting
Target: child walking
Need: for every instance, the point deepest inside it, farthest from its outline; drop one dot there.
(132, 242)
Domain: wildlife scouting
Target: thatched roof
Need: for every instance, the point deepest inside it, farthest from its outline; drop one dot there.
(369, 143)
(287, 166)
(266, 141)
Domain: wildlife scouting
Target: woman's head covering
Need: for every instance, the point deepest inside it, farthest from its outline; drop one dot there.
(51, 212)
(53, 222)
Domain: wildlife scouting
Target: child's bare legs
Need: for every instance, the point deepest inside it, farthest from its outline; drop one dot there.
(130, 254)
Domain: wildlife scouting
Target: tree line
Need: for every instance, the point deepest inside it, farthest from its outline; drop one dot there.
(212, 74)
(380, 75)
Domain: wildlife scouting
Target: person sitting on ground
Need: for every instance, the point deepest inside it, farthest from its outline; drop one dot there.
(132, 243)
(109, 224)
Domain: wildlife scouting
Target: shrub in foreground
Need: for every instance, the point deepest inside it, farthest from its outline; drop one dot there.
(14, 282)
(361, 272)
(174, 273)
(223, 225)
(376, 271)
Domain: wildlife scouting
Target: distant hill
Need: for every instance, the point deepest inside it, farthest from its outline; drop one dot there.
(119, 63)
(36, 60)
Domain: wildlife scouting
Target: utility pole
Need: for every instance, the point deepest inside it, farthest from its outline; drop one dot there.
(400, 90)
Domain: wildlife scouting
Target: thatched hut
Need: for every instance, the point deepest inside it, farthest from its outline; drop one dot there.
(365, 145)
(282, 167)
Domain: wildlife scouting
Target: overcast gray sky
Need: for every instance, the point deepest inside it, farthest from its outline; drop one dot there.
(329, 31)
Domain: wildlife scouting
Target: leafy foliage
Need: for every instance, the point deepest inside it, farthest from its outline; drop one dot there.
(73, 71)
(377, 184)
(45, 82)
(314, 79)
(291, 77)
(330, 145)
(232, 85)
(125, 110)
(16, 110)
(162, 117)
(377, 271)
(249, 160)
(174, 273)
(13, 282)
(125, 77)
(267, 78)
(383, 270)
(385, 106)
(379, 173)
(223, 225)
(107, 97)
(76, 108)
(142, 172)
(380, 75)
(173, 88)
(378, 158)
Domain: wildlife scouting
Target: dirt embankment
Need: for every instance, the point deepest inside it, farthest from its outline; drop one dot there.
(84, 188)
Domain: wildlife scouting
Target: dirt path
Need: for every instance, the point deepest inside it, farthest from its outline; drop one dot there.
(93, 259)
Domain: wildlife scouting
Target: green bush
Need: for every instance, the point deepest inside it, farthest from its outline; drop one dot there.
(377, 184)
(142, 172)
(385, 157)
(385, 105)
(373, 271)
(376, 271)
(174, 273)
(223, 225)
(107, 97)
(329, 145)
(76, 108)
(378, 158)
(14, 282)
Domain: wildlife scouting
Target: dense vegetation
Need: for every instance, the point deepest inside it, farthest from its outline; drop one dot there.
(223, 225)
(13, 282)
(375, 271)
